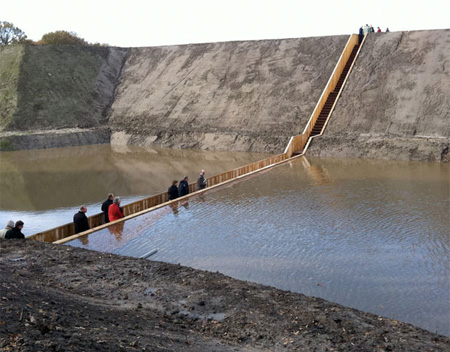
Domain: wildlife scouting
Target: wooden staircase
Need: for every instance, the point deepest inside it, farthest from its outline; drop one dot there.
(331, 99)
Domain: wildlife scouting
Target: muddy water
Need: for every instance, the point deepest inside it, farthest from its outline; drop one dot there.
(373, 235)
(44, 188)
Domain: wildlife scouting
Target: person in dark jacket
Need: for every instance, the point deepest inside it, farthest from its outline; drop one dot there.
(16, 231)
(361, 35)
(80, 220)
(173, 190)
(183, 188)
(106, 205)
(201, 182)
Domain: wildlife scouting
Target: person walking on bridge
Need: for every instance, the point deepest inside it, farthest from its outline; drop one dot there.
(80, 220)
(183, 188)
(201, 182)
(105, 206)
(173, 190)
(16, 231)
(115, 212)
(8, 227)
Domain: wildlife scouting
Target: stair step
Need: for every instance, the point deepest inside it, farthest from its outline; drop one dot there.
(332, 96)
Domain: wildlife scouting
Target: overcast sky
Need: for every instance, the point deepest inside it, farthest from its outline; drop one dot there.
(148, 23)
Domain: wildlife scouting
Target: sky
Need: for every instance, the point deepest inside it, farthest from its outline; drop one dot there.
(133, 23)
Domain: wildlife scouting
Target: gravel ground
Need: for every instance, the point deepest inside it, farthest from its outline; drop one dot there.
(59, 298)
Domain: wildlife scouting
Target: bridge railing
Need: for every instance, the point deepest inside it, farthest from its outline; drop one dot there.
(67, 230)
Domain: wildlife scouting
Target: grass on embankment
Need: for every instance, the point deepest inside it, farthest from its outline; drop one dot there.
(57, 88)
(10, 60)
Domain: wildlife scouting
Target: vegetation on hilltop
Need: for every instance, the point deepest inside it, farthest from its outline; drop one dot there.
(10, 34)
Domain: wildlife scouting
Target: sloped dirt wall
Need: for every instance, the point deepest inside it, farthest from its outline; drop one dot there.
(246, 96)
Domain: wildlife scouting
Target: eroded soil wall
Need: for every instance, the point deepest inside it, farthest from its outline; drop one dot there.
(242, 96)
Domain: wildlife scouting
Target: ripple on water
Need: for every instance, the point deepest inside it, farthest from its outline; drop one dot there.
(358, 234)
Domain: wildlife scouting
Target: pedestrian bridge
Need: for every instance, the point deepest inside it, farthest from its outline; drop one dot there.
(296, 147)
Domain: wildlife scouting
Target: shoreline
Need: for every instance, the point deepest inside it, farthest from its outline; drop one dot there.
(64, 298)
(422, 149)
(69, 137)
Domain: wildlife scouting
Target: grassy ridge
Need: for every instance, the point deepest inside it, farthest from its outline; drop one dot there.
(57, 87)
(10, 60)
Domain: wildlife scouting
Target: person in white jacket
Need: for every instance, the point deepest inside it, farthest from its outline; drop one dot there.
(8, 227)
(366, 29)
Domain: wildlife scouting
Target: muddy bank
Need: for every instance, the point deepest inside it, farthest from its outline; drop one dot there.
(53, 138)
(67, 299)
(395, 104)
(348, 145)
(230, 141)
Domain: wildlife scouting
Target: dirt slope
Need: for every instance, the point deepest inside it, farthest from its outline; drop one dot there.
(396, 103)
(232, 96)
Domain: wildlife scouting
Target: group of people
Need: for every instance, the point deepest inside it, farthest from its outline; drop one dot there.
(363, 30)
(12, 230)
(175, 191)
(111, 209)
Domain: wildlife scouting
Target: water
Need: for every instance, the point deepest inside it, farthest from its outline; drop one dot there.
(44, 188)
(372, 235)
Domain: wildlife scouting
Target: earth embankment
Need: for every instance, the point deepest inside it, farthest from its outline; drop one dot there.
(395, 104)
(61, 298)
(241, 96)
(235, 96)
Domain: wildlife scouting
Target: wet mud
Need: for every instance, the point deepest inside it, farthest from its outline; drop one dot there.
(59, 298)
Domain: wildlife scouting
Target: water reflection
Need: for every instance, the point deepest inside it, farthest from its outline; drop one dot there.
(368, 234)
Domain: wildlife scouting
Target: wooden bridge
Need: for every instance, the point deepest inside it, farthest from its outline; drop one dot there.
(296, 147)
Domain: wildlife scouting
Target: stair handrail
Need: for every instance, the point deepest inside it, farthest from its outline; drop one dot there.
(338, 95)
(332, 81)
